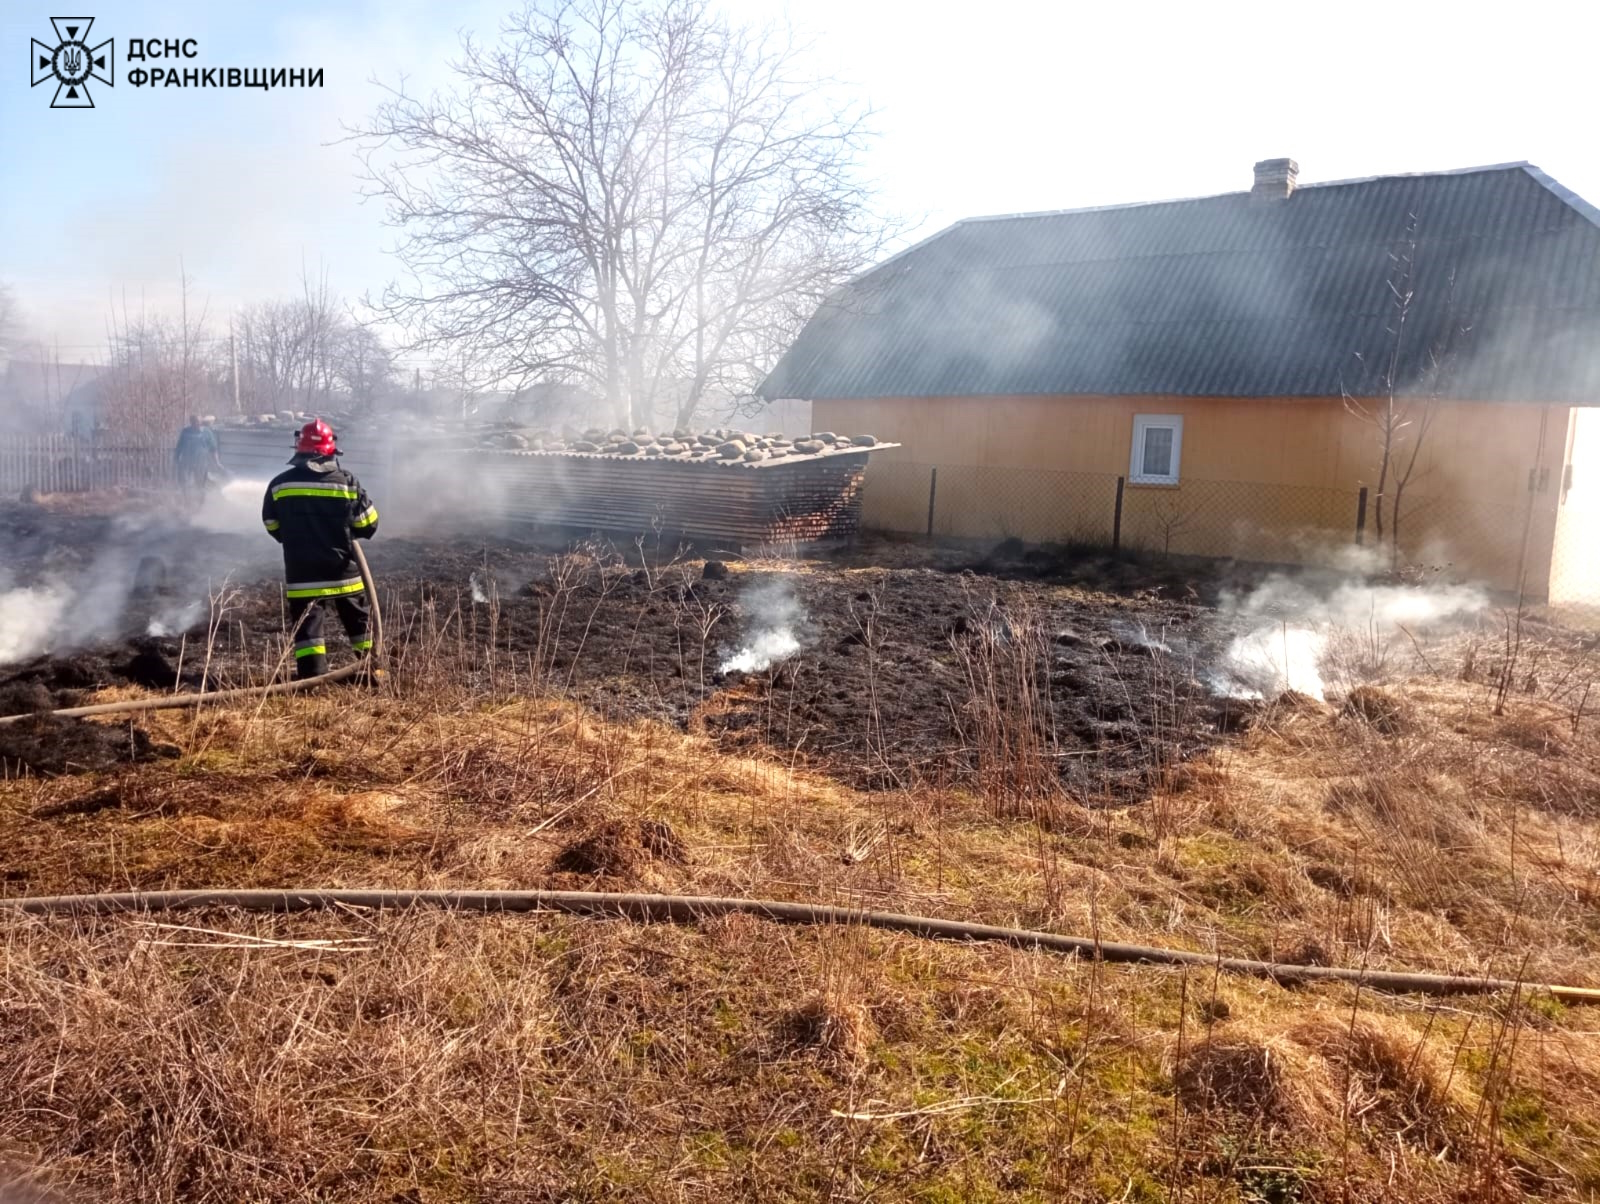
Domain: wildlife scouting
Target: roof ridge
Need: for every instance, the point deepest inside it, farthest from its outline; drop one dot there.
(1563, 193)
(1510, 165)
(1513, 165)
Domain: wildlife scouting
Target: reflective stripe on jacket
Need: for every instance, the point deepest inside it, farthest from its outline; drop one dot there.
(315, 510)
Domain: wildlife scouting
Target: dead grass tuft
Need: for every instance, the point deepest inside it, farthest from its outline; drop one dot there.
(1374, 1072)
(1395, 1083)
(1294, 702)
(661, 842)
(1251, 1078)
(21, 1190)
(1199, 775)
(1371, 793)
(1377, 708)
(831, 1026)
(1543, 734)
(612, 850)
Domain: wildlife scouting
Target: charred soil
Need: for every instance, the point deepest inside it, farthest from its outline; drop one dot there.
(901, 670)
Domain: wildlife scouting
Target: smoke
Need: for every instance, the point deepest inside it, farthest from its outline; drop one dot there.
(1270, 660)
(1298, 637)
(141, 573)
(29, 619)
(234, 509)
(70, 608)
(61, 612)
(1139, 634)
(177, 620)
(775, 619)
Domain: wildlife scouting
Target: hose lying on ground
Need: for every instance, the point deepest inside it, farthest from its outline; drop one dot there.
(169, 702)
(690, 908)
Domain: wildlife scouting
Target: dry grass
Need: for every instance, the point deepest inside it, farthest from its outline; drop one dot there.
(438, 1058)
(433, 1058)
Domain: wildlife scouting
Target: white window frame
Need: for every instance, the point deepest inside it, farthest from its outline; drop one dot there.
(1143, 423)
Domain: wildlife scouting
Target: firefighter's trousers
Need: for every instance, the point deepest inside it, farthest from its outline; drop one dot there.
(310, 646)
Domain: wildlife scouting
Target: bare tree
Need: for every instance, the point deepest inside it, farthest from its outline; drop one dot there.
(633, 195)
(308, 353)
(362, 367)
(160, 371)
(1402, 409)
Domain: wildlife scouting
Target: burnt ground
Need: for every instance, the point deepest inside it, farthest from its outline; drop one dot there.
(48, 745)
(914, 663)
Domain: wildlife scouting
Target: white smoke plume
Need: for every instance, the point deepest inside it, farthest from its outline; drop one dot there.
(235, 508)
(774, 622)
(68, 609)
(176, 620)
(72, 604)
(1295, 630)
(147, 574)
(1138, 633)
(1270, 660)
(30, 618)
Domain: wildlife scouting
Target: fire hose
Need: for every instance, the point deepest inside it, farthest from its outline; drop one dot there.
(692, 908)
(178, 701)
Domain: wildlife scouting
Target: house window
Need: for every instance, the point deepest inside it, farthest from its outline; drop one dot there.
(1157, 444)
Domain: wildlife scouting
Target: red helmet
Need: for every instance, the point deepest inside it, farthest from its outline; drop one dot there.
(316, 439)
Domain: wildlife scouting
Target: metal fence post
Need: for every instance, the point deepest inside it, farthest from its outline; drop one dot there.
(1361, 517)
(933, 489)
(1116, 519)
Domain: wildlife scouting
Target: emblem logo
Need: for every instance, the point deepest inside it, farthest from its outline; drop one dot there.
(72, 63)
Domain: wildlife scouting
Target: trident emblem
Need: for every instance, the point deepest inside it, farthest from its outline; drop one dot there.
(72, 63)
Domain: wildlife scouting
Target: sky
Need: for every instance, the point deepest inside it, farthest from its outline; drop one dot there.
(1002, 107)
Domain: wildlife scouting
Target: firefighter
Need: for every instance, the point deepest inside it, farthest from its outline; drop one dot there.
(315, 509)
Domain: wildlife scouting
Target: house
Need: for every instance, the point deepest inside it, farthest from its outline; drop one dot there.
(86, 405)
(1222, 376)
(33, 393)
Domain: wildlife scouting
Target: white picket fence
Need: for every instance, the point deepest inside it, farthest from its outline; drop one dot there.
(80, 464)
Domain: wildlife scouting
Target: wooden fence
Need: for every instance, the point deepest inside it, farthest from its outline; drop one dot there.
(80, 464)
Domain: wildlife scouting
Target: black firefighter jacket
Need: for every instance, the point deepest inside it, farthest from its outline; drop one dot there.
(316, 509)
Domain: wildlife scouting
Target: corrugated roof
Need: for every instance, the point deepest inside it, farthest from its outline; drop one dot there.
(1225, 296)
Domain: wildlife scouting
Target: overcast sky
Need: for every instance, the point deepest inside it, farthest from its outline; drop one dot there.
(1004, 106)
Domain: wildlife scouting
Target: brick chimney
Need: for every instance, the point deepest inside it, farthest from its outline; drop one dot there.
(1274, 179)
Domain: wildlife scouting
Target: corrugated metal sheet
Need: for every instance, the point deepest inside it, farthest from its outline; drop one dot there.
(261, 453)
(804, 500)
(414, 480)
(1224, 297)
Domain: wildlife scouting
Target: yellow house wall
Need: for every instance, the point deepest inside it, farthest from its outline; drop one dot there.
(1268, 479)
